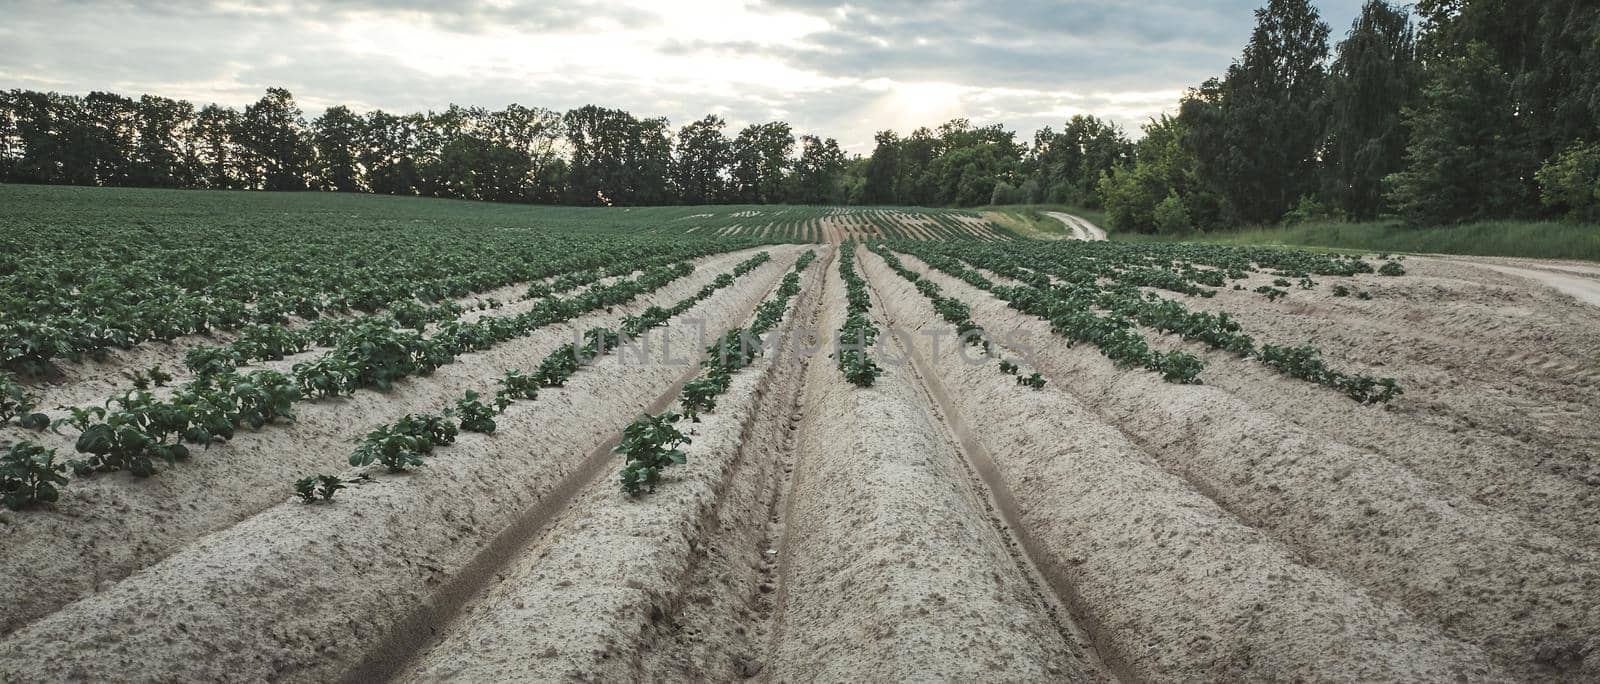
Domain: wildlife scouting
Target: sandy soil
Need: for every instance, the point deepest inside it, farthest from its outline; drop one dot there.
(945, 524)
(890, 568)
(307, 606)
(1176, 587)
(1502, 383)
(1524, 595)
(606, 576)
(1080, 229)
(110, 526)
(1578, 281)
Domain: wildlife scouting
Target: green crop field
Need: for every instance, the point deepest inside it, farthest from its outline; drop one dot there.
(379, 396)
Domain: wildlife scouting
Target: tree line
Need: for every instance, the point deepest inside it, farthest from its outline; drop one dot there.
(1469, 110)
(587, 156)
(1464, 110)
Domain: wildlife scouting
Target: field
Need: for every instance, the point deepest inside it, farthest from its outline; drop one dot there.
(312, 437)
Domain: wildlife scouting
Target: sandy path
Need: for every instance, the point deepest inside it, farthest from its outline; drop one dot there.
(1149, 561)
(1080, 229)
(108, 526)
(1522, 595)
(307, 606)
(1581, 283)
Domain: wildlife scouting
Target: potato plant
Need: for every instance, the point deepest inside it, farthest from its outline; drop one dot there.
(16, 401)
(858, 334)
(312, 488)
(404, 443)
(650, 445)
(1035, 381)
(1100, 293)
(735, 349)
(473, 415)
(29, 474)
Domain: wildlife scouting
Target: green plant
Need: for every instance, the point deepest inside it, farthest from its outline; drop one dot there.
(515, 386)
(1008, 367)
(1341, 291)
(326, 377)
(311, 487)
(152, 377)
(136, 429)
(473, 414)
(700, 395)
(1391, 268)
(858, 333)
(1036, 381)
(1179, 367)
(263, 397)
(206, 360)
(17, 402)
(649, 445)
(1272, 293)
(29, 474)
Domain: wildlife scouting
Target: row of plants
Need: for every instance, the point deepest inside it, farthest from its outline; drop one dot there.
(134, 430)
(955, 311)
(736, 348)
(652, 443)
(859, 333)
(274, 342)
(77, 294)
(407, 442)
(1102, 306)
(1070, 310)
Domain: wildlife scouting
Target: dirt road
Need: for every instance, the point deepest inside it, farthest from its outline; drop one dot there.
(1081, 229)
(1579, 280)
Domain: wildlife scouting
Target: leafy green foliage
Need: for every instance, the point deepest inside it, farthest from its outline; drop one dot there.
(473, 414)
(650, 445)
(1008, 367)
(737, 348)
(314, 487)
(17, 402)
(203, 360)
(515, 386)
(404, 443)
(150, 377)
(326, 377)
(1070, 285)
(29, 474)
(858, 334)
(1035, 381)
(1272, 293)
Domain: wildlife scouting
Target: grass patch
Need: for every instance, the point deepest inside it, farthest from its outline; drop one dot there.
(1532, 239)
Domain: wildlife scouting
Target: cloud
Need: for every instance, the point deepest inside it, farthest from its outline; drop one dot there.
(841, 69)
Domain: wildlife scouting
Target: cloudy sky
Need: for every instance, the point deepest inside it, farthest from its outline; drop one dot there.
(841, 69)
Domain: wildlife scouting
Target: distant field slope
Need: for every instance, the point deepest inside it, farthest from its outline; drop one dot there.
(42, 208)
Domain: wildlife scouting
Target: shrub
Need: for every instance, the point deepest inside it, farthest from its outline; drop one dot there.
(1570, 182)
(1172, 218)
